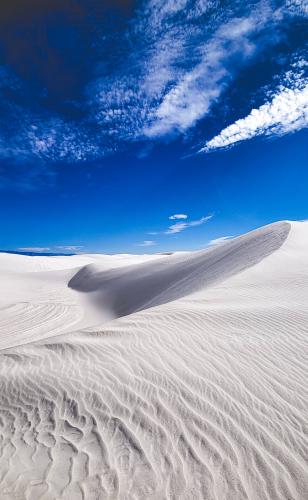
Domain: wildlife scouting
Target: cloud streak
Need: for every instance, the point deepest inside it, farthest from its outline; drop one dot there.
(70, 248)
(178, 227)
(34, 249)
(192, 96)
(178, 216)
(154, 77)
(286, 112)
(185, 55)
(147, 243)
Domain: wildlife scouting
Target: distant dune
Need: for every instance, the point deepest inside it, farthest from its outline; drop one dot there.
(180, 377)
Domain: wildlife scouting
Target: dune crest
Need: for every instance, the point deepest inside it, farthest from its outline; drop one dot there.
(133, 288)
(181, 377)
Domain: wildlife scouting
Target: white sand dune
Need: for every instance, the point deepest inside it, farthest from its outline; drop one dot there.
(160, 377)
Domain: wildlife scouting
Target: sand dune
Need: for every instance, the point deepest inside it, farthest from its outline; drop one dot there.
(166, 377)
(129, 289)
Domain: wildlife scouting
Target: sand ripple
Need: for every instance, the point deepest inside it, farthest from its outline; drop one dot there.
(204, 397)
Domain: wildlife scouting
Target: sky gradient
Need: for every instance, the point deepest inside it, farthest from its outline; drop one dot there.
(150, 126)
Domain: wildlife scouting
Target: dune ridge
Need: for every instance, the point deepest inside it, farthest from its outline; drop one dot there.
(133, 288)
(183, 377)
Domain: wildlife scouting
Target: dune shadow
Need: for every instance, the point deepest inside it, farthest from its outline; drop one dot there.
(138, 287)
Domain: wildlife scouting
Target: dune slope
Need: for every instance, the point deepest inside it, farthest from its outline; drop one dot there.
(198, 391)
(133, 288)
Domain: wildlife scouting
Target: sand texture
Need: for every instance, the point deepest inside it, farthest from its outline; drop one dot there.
(180, 377)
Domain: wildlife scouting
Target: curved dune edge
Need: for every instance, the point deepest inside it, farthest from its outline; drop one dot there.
(204, 397)
(134, 288)
(36, 303)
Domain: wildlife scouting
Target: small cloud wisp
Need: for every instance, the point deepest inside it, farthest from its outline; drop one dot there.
(178, 216)
(178, 227)
(147, 243)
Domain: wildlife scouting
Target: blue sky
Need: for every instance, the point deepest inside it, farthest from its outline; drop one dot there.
(150, 126)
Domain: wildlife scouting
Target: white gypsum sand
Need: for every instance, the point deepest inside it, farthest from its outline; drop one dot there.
(157, 377)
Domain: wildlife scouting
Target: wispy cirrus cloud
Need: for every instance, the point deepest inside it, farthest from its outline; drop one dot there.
(285, 111)
(178, 216)
(147, 243)
(182, 223)
(34, 249)
(153, 77)
(70, 248)
(194, 92)
(178, 227)
(57, 248)
(185, 56)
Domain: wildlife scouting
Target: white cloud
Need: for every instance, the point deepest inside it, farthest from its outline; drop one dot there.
(195, 90)
(70, 248)
(147, 243)
(180, 57)
(34, 249)
(219, 241)
(180, 226)
(178, 216)
(286, 112)
(184, 55)
(297, 7)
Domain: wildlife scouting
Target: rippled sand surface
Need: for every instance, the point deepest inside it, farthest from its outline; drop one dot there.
(164, 377)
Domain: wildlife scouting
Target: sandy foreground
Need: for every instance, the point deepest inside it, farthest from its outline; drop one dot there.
(157, 377)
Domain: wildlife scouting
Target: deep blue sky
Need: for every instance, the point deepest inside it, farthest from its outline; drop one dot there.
(116, 116)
